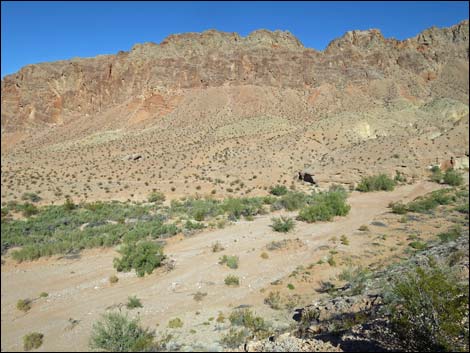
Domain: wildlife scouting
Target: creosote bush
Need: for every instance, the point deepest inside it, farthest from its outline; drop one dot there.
(143, 257)
(325, 206)
(32, 341)
(379, 182)
(282, 224)
(115, 332)
(429, 310)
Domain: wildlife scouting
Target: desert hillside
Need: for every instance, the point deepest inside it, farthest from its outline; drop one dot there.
(217, 112)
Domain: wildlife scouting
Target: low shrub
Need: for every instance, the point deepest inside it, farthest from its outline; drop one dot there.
(273, 300)
(156, 197)
(24, 304)
(453, 178)
(278, 190)
(115, 332)
(175, 323)
(325, 206)
(133, 303)
(230, 261)
(231, 280)
(143, 257)
(282, 224)
(32, 341)
(234, 338)
(379, 182)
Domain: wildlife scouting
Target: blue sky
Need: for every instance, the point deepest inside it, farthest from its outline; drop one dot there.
(34, 32)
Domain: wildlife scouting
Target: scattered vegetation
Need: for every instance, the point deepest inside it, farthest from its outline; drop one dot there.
(325, 206)
(279, 190)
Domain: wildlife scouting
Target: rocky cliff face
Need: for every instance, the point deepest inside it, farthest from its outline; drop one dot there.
(434, 63)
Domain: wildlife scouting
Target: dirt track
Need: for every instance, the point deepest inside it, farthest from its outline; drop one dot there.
(79, 288)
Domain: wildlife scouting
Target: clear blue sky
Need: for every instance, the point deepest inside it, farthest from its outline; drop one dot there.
(34, 32)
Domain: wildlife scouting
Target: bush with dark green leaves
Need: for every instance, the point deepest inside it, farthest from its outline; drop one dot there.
(143, 257)
(278, 190)
(115, 332)
(429, 310)
(379, 182)
(282, 224)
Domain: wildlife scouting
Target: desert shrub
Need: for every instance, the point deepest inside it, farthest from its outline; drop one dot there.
(234, 338)
(418, 245)
(277, 244)
(230, 261)
(194, 225)
(246, 318)
(291, 286)
(31, 196)
(175, 323)
(453, 178)
(429, 309)
(376, 183)
(43, 295)
(273, 300)
(157, 197)
(115, 332)
(133, 303)
(426, 203)
(344, 240)
(69, 205)
(278, 190)
(231, 280)
(399, 177)
(217, 246)
(398, 208)
(451, 235)
(28, 209)
(249, 206)
(32, 341)
(357, 278)
(264, 255)
(363, 228)
(292, 201)
(436, 174)
(198, 296)
(143, 257)
(282, 224)
(24, 304)
(325, 206)
(113, 279)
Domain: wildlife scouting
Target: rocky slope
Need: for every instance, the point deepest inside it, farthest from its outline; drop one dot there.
(216, 103)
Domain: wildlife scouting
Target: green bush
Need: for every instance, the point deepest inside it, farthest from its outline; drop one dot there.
(429, 309)
(157, 197)
(325, 206)
(28, 209)
(451, 235)
(143, 257)
(278, 190)
(453, 178)
(246, 318)
(115, 332)
(133, 302)
(376, 183)
(428, 202)
(418, 245)
(230, 261)
(32, 341)
(399, 208)
(175, 323)
(282, 224)
(24, 304)
(436, 175)
(293, 200)
(231, 280)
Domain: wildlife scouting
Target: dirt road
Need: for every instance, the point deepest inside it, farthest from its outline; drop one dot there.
(79, 288)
